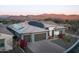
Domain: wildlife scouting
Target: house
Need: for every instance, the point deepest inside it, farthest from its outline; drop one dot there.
(37, 35)
(34, 31)
(6, 39)
(30, 33)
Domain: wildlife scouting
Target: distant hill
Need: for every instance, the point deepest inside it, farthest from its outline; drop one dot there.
(54, 16)
(4, 16)
(41, 17)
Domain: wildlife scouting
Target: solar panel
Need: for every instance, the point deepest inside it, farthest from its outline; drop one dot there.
(37, 24)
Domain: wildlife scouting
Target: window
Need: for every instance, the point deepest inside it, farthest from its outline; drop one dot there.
(40, 36)
(1, 43)
(27, 37)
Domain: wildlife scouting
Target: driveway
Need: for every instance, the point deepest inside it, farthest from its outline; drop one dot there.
(45, 46)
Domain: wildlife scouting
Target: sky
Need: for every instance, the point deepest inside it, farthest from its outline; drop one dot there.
(39, 2)
(38, 9)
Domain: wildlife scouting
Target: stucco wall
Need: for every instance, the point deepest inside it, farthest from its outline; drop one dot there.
(8, 42)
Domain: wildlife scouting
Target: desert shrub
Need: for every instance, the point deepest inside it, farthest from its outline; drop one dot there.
(67, 39)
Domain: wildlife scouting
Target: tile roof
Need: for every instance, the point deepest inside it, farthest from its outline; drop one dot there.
(23, 27)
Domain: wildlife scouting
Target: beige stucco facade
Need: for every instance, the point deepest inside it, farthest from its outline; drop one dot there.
(8, 42)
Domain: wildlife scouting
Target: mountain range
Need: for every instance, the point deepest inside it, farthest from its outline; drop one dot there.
(40, 17)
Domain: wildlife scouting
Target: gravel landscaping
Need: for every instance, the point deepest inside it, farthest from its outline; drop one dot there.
(65, 43)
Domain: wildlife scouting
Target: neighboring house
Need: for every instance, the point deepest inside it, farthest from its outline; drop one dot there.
(6, 39)
(30, 33)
